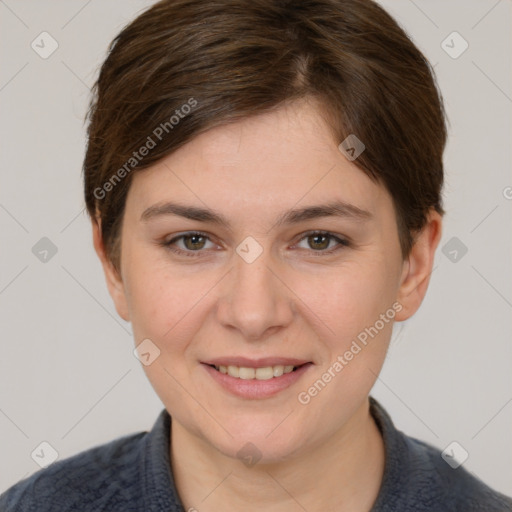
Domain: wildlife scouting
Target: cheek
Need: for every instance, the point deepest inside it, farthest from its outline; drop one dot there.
(350, 300)
(357, 314)
(163, 303)
(169, 309)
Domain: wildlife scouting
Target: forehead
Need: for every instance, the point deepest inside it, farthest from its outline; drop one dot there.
(262, 163)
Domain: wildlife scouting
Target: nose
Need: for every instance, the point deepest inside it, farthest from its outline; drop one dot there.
(255, 299)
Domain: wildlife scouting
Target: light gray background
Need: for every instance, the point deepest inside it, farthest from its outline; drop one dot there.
(68, 374)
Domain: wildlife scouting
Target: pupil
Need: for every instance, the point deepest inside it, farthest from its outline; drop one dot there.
(316, 237)
(193, 240)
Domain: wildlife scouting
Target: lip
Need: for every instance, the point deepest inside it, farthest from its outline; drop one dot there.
(255, 389)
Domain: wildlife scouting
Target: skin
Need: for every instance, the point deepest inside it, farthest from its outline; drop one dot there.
(294, 300)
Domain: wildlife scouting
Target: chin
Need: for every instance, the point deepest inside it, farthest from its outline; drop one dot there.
(266, 442)
(261, 451)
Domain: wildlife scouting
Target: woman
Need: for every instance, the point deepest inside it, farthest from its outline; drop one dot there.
(264, 183)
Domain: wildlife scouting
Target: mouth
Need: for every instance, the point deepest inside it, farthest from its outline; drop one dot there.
(259, 373)
(256, 379)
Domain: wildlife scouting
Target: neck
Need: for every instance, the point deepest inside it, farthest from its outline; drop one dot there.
(343, 473)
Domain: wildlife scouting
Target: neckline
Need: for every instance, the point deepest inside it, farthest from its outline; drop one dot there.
(160, 489)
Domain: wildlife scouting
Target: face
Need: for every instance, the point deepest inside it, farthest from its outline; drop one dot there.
(278, 261)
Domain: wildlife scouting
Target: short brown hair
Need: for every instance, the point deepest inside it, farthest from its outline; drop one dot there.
(230, 59)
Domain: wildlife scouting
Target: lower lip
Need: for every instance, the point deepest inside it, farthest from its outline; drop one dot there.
(254, 388)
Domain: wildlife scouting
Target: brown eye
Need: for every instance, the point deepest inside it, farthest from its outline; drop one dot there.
(194, 242)
(321, 242)
(189, 244)
(318, 241)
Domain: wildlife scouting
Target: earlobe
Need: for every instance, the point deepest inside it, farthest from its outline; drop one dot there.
(114, 281)
(418, 267)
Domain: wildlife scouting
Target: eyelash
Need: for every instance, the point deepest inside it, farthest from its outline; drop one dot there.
(197, 254)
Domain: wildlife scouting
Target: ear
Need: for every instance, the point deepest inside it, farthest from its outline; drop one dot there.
(114, 280)
(417, 267)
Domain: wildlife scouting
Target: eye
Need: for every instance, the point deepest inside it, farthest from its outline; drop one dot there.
(192, 242)
(320, 241)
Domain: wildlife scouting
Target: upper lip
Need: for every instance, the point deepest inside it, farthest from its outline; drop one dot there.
(256, 363)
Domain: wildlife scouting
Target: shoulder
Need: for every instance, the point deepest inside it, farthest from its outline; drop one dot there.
(99, 478)
(450, 488)
(417, 477)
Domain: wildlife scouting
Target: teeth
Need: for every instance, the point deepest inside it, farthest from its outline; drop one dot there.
(264, 373)
(246, 373)
(233, 371)
(278, 371)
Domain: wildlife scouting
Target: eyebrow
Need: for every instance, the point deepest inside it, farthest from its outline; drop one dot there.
(333, 209)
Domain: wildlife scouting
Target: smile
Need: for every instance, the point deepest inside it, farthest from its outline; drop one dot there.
(259, 381)
(263, 373)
